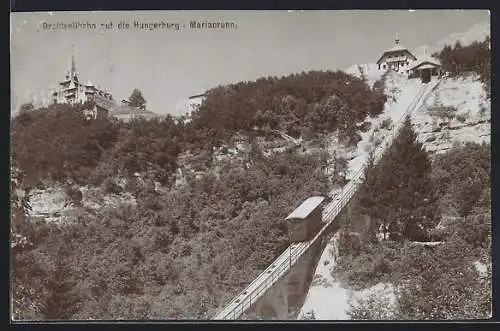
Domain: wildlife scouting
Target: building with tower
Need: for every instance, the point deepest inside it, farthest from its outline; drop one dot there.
(71, 91)
(397, 58)
(401, 60)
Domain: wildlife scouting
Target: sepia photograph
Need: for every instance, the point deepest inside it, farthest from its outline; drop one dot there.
(250, 165)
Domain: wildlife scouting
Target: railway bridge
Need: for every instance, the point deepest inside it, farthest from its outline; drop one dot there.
(278, 289)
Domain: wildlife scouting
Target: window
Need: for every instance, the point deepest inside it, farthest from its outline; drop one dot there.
(384, 66)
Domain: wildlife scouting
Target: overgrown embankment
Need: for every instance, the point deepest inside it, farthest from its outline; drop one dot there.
(178, 251)
(450, 210)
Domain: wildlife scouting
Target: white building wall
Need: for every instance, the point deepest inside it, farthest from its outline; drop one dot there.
(392, 63)
(194, 103)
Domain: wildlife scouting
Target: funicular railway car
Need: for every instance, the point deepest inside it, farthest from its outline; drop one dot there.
(304, 222)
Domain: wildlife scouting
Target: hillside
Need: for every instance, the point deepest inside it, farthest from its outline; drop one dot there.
(468, 119)
(359, 277)
(147, 219)
(477, 33)
(167, 219)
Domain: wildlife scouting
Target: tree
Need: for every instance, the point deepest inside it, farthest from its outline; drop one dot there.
(475, 57)
(400, 190)
(57, 143)
(137, 100)
(26, 107)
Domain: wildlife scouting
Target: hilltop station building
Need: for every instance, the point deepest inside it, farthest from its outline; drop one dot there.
(400, 59)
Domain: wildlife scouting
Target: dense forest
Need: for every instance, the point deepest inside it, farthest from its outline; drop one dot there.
(447, 201)
(180, 252)
(174, 255)
(58, 144)
(305, 104)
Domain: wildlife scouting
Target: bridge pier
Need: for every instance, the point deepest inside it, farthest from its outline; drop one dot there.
(287, 294)
(286, 297)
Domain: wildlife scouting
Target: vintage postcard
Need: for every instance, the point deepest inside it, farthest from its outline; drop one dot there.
(251, 165)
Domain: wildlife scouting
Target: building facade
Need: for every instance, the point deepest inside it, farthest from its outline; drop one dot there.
(403, 61)
(71, 91)
(398, 58)
(194, 102)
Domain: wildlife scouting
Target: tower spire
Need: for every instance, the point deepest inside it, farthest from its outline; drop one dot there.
(73, 65)
(397, 38)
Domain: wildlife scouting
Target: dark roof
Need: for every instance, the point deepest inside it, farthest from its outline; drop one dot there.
(425, 60)
(394, 51)
(306, 208)
(421, 64)
(197, 96)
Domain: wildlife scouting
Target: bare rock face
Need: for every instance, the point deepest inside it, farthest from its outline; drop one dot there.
(458, 111)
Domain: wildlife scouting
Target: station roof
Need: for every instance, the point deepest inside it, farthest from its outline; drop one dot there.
(196, 96)
(306, 208)
(425, 61)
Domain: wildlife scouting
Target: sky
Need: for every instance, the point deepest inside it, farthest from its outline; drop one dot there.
(169, 65)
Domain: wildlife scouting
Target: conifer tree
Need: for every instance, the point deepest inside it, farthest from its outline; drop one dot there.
(137, 100)
(399, 190)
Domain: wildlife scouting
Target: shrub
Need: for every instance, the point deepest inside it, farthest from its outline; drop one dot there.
(444, 113)
(365, 126)
(74, 194)
(350, 139)
(386, 124)
(369, 265)
(464, 175)
(430, 139)
(482, 111)
(373, 307)
(474, 229)
(309, 315)
(111, 187)
(461, 118)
